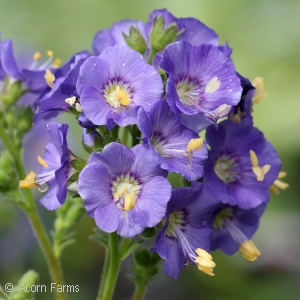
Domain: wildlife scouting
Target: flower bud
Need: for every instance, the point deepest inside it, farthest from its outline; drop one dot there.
(161, 37)
(11, 93)
(75, 213)
(135, 40)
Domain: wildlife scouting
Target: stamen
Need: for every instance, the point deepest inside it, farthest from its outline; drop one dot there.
(194, 144)
(204, 262)
(56, 63)
(28, 182)
(71, 100)
(129, 199)
(212, 85)
(259, 94)
(78, 107)
(260, 172)
(278, 184)
(42, 162)
(37, 55)
(249, 251)
(50, 78)
(50, 53)
(122, 96)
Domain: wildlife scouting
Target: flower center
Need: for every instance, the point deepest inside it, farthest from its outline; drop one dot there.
(125, 190)
(226, 168)
(221, 217)
(188, 92)
(158, 143)
(176, 222)
(118, 95)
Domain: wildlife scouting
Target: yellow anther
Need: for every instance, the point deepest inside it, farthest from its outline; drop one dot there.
(259, 94)
(42, 162)
(71, 100)
(28, 182)
(78, 107)
(249, 251)
(204, 262)
(56, 63)
(212, 85)
(278, 184)
(129, 199)
(49, 77)
(36, 55)
(122, 96)
(121, 192)
(194, 144)
(260, 172)
(50, 53)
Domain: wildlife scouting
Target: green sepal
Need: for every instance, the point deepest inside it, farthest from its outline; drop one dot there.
(144, 267)
(131, 248)
(161, 37)
(24, 120)
(74, 111)
(74, 177)
(78, 163)
(135, 40)
(88, 148)
(148, 233)
(100, 237)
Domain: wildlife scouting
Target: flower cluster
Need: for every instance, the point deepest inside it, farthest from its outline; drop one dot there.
(156, 98)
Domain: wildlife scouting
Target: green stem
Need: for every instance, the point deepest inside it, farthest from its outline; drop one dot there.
(109, 282)
(151, 56)
(34, 218)
(139, 292)
(104, 275)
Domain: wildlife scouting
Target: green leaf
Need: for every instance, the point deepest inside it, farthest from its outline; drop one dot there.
(78, 163)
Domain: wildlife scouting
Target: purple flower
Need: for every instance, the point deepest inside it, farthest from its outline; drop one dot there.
(115, 84)
(54, 102)
(241, 164)
(234, 226)
(124, 189)
(187, 227)
(89, 138)
(56, 168)
(201, 80)
(244, 108)
(178, 148)
(8, 64)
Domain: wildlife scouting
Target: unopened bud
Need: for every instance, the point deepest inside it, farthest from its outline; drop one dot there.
(135, 40)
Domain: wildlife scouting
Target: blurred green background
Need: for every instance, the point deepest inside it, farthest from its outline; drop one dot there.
(264, 35)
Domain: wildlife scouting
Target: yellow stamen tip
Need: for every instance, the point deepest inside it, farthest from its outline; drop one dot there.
(122, 96)
(28, 182)
(259, 94)
(194, 144)
(71, 100)
(212, 85)
(36, 55)
(78, 107)
(204, 262)
(50, 53)
(249, 251)
(50, 78)
(279, 184)
(260, 172)
(42, 162)
(57, 63)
